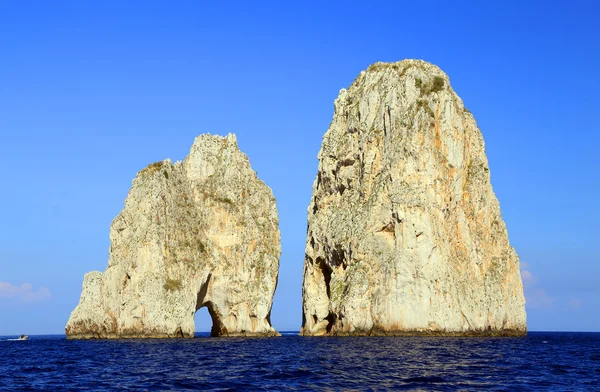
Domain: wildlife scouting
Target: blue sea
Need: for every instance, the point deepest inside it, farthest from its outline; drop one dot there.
(539, 362)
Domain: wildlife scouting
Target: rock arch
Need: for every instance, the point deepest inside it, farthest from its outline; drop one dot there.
(202, 232)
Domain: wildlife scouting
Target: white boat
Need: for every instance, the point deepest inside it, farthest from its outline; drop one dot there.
(22, 337)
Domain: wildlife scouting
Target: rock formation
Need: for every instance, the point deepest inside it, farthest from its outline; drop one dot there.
(202, 232)
(405, 234)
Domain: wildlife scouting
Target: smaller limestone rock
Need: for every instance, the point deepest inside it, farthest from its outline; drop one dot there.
(199, 233)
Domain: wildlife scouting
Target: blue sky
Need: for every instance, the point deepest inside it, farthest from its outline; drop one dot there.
(92, 93)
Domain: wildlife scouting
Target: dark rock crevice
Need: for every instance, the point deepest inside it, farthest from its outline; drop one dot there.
(326, 271)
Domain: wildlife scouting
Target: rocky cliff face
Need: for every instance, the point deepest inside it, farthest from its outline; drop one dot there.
(405, 234)
(202, 232)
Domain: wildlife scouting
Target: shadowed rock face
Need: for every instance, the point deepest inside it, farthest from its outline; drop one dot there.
(405, 234)
(202, 232)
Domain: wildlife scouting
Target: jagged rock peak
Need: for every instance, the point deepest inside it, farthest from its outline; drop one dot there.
(199, 233)
(405, 234)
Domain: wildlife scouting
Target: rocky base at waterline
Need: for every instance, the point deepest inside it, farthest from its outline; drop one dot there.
(405, 235)
(430, 332)
(199, 233)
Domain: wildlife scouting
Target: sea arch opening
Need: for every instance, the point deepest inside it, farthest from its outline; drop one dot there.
(202, 322)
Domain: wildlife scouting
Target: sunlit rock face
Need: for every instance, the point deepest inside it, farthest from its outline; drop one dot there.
(202, 232)
(405, 234)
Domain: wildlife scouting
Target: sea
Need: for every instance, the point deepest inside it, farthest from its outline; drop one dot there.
(541, 361)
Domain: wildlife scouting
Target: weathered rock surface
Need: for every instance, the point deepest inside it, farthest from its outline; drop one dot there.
(405, 234)
(202, 232)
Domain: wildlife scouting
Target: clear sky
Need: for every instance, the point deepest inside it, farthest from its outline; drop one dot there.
(91, 92)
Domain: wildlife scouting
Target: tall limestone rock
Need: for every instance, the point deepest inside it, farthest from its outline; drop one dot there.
(405, 234)
(202, 232)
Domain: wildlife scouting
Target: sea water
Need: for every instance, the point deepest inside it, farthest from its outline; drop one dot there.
(539, 361)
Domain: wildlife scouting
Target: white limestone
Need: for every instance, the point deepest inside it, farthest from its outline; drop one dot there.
(405, 234)
(202, 232)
